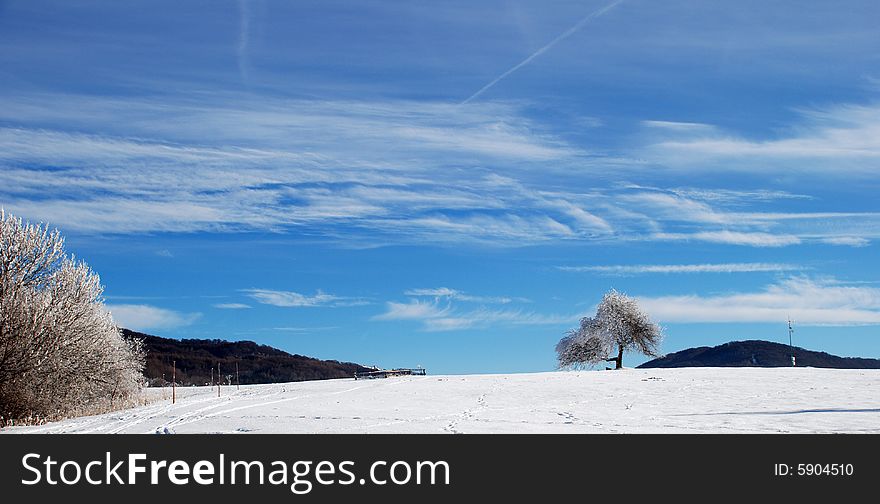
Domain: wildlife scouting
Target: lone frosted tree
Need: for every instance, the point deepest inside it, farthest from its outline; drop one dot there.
(619, 325)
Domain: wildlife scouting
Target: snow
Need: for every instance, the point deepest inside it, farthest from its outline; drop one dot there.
(684, 400)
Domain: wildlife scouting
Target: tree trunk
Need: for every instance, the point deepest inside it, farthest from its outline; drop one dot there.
(618, 361)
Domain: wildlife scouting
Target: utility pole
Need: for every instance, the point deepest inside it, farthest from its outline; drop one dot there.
(790, 346)
(173, 382)
(218, 379)
(237, 381)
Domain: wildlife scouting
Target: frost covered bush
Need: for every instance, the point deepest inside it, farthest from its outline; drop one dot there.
(60, 351)
(619, 325)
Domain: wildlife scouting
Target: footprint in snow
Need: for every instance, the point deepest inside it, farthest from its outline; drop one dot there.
(569, 418)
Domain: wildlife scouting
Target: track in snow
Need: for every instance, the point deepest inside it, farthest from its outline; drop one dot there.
(694, 400)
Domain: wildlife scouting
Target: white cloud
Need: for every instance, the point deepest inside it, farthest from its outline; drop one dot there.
(834, 139)
(849, 241)
(582, 219)
(497, 140)
(438, 292)
(508, 229)
(485, 318)
(679, 126)
(290, 299)
(445, 292)
(483, 174)
(675, 208)
(807, 301)
(435, 316)
(736, 196)
(143, 317)
(280, 165)
(640, 269)
(232, 306)
(753, 239)
(717, 216)
(415, 128)
(303, 329)
(414, 310)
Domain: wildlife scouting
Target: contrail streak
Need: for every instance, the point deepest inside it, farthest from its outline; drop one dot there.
(243, 39)
(564, 35)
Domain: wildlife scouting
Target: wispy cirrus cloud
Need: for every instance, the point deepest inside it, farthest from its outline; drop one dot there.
(848, 241)
(435, 318)
(751, 239)
(303, 330)
(388, 172)
(843, 137)
(447, 293)
(141, 317)
(279, 166)
(353, 133)
(291, 299)
(442, 314)
(487, 318)
(734, 196)
(678, 126)
(413, 310)
(643, 269)
(232, 306)
(806, 300)
(716, 216)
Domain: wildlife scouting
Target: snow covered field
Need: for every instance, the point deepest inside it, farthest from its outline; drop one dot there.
(693, 400)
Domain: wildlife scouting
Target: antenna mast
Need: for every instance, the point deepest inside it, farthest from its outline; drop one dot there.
(790, 346)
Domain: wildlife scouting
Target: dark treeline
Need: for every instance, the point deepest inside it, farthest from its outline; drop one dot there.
(256, 363)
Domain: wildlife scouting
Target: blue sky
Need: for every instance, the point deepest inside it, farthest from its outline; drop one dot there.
(455, 184)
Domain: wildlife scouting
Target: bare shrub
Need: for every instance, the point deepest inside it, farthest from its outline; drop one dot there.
(61, 354)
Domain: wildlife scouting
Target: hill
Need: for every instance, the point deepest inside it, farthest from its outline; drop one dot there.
(256, 363)
(757, 353)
